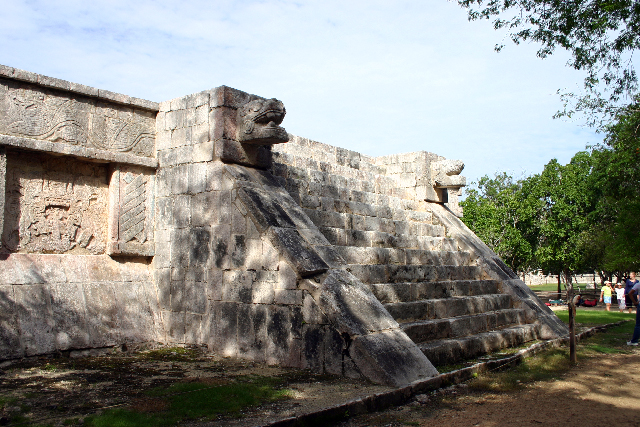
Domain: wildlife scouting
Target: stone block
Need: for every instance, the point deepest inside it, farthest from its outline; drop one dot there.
(225, 341)
(101, 314)
(238, 250)
(264, 209)
(351, 306)
(163, 140)
(287, 277)
(202, 151)
(164, 213)
(198, 246)
(391, 358)
(263, 293)
(278, 334)
(193, 328)
(39, 268)
(214, 284)
(179, 179)
(252, 332)
(174, 119)
(297, 251)
(162, 257)
(204, 209)
(68, 308)
(224, 209)
(312, 352)
(102, 268)
(237, 286)
(149, 293)
(195, 297)
(10, 344)
(179, 241)
(238, 221)
(177, 295)
(253, 254)
(135, 316)
(288, 297)
(35, 319)
(221, 246)
(197, 178)
(175, 322)
(181, 211)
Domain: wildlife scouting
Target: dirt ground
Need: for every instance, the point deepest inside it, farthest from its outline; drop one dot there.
(597, 392)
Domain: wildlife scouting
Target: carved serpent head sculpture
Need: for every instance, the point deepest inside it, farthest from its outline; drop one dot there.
(258, 122)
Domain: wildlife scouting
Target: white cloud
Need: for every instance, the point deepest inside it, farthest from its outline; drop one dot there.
(374, 76)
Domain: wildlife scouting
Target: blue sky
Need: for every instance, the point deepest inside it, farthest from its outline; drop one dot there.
(374, 76)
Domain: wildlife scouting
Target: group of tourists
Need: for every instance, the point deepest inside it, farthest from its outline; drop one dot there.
(627, 296)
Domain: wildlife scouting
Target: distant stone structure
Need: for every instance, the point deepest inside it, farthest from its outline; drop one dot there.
(200, 221)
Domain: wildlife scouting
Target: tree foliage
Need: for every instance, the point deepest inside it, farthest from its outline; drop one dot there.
(537, 222)
(496, 211)
(600, 35)
(614, 239)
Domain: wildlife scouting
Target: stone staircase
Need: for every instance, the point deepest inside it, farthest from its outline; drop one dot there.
(390, 241)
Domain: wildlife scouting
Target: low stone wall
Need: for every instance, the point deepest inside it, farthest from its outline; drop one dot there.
(54, 303)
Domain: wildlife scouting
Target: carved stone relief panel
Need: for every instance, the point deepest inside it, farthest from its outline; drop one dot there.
(34, 112)
(131, 211)
(54, 205)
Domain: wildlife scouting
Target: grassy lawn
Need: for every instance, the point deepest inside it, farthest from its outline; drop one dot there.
(553, 287)
(553, 363)
(591, 318)
(192, 401)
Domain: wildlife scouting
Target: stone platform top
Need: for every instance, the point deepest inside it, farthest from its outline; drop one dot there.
(80, 89)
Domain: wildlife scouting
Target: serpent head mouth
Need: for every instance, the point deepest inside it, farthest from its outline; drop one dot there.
(258, 122)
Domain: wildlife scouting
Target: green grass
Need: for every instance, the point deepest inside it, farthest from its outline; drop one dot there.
(595, 317)
(173, 354)
(553, 287)
(195, 401)
(553, 363)
(542, 367)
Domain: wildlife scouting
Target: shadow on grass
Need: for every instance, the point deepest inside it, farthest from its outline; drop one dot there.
(192, 401)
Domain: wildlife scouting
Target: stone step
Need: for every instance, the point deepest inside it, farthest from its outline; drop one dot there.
(449, 351)
(406, 292)
(334, 230)
(390, 273)
(371, 255)
(461, 326)
(442, 308)
(347, 200)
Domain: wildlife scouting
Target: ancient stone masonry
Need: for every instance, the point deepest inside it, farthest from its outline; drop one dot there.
(132, 211)
(53, 205)
(200, 221)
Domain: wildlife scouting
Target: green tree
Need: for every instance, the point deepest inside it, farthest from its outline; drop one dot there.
(614, 239)
(566, 202)
(498, 214)
(600, 35)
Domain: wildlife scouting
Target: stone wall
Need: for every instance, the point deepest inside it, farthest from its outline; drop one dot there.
(77, 182)
(195, 222)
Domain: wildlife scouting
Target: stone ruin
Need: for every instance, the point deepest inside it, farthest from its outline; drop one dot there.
(200, 221)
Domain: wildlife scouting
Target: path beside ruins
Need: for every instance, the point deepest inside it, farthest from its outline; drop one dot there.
(601, 391)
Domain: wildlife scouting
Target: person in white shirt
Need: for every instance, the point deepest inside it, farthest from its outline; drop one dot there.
(620, 296)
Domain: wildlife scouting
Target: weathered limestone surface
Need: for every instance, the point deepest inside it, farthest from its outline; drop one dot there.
(66, 302)
(125, 221)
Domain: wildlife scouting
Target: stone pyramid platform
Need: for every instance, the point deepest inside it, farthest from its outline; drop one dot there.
(200, 222)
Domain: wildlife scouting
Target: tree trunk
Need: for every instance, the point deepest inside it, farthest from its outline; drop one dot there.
(559, 287)
(572, 322)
